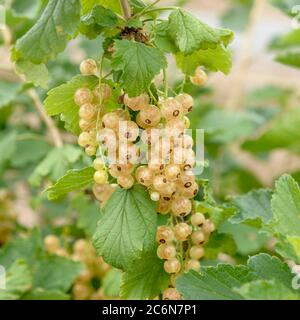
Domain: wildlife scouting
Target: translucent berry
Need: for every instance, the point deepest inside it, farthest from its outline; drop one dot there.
(87, 111)
(100, 177)
(196, 252)
(91, 150)
(98, 164)
(166, 251)
(144, 176)
(85, 125)
(155, 168)
(150, 116)
(172, 266)
(128, 130)
(171, 109)
(52, 243)
(88, 67)
(198, 237)
(103, 92)
(200, 77)
(111, 120)
(172, 172)
(163, 206)
(125, 182)
(181, 206)
(171, 294)
(208, 227)
(84, 139)
(186, 101)
(187, 142)
(190, 192)
(197, 219)
(83, 96)
(154, 196)
(136, 103)
(192, 265)
(164, 234)
(182, 231)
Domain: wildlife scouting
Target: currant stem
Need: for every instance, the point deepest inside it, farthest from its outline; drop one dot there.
(126, 9)
(165, 73)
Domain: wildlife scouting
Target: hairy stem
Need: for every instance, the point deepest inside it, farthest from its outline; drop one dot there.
(126, 9)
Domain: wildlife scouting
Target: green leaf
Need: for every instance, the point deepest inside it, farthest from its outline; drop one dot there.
(18, 281)
(100, 16)
(50, 33)
(139, 65)
(162, 39)
(26, 249)
(87, 5)
(55, 164)
(220, 243)
(291, 59)
(286, 5)
(127, 227)
(288, 40)
(72, 180)
(190, 34)
(145, 278)
(282, 132)
(266, 290)
(89, 214)
(8, 92)
(252, 205)
(35, 73)
(56, 273)
(214, 283)
(42, 294)
(7, 147)
(111, 283)
(286, 216)
(216, 59)
(60, 100)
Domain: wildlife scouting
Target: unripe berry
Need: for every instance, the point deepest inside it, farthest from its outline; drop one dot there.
(192, 265)
(182, 231)
(196, 252)
(100, 177)
(186, 101)
(144, 176)
(181, 206)
(125, 182)
(103, 92)
(171, 294)
(197, 219)
(136, 103)
(172, 172)
(164, 234)
(87, 111)
(198, 237)
(150, 116)
(83, 96)
(200, 77)
(172, 266)
(98, 164)
(88, 67)
(166, 251)
(154, 196)
(52, 243)
(171, 109)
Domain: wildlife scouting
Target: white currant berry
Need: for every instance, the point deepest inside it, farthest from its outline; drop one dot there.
(171, 109)
(187, 122)
(84, 139)
(111, 120)
(164, 234)
(187, 142)
(196, 252)
(181, 206)
(186, 101)
(98, 164)
(155, 168)
(192, 265)
(208, 227)
(87, 111)
(85, 125)
(128, 130)
(129, 153)
(172, 172)
(149, 116)
(182, 231)
(83, 96)
(172, 266)
(166, 251)
(171, 294)
(52, 243)
(90, 150)
(125, 181)
(100, 177)
(198, 237)
(136, 103)
(102, 92)
(163, 206)
(197, 219)
(88, 67)
(160, 182)
(190, 192)
(144, 176)
(200, 77)
(154, 196)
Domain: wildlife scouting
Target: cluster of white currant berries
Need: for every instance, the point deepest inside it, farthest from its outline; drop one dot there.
(181, 246)
(94, 267)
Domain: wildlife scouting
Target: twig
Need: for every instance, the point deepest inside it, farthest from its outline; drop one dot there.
(236, 99)
(126, 9)
(57, 140)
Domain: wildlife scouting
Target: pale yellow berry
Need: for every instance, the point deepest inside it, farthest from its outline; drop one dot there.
(100, 177)
(125, 182)
(166, 251)
(136, 103)
(172, 172)
(192, 265)
(83, 96)
(198, 237)
(182, 231)
(52, 243)
(172, 266)
(186, 101)
(98, 164)
(196, 252)
(88, 67)
(181, 206)
(90, 150)
(200, 77)
(171, 294)
(164, 234)
(197, 219)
